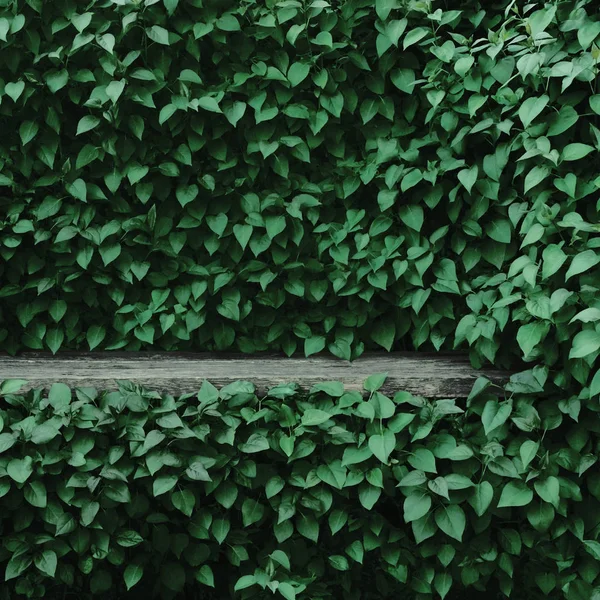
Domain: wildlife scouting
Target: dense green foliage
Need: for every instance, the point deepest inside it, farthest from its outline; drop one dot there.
(334, 495)
(301, 175)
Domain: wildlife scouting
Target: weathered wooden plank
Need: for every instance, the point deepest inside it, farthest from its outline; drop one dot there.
(429, 375)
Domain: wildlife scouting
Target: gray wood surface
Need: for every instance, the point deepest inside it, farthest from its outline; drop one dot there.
(429, 375)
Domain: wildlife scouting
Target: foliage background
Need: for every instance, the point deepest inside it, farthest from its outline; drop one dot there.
(330, 495)
(301, 176)
(312, 176)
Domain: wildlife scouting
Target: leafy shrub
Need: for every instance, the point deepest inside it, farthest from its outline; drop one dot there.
(304, 176)
(327, 495)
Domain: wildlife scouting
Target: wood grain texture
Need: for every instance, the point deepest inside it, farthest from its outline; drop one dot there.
(429, 375)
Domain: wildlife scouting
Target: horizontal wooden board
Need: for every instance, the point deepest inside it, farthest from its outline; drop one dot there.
(429, 375)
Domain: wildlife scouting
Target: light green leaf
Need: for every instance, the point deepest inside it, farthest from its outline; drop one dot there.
(451, 520)
(481, 497)
(531, 108)
(12, 386)
(582, 262)
(586, 342)
(95, 335)
(412, 216)
(163, 483)
(28, 130)
(133, 574)
(205, 576)
(158, 34)
(184, 500)
(314, 416)
(535, 176)
(234, 112)
(553, 259)
(423, 459)
(297, 73)
(468, 177)
(576, 151)
(19, 469)
(382, 445)
(413, 36)
(515, 493)
(416, 506)
(46, 562)
(548, 490)
(499, 230)
(220, 529)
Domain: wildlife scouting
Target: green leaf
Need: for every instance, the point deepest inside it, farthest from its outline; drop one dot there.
(532, 108)
(451, 520)
(133, 574)
(129, 539)
(44, 433)
(314, 416)
(197, 472)
(95, 336)
(46, 562)
(255, 443)
(28, 130)
(59, 396)
(382, 445)
(528, 452)
(54, 338)
(77, 189)
(297, 73)
(184, 500)
(16, 566)
(12, 386)
(252, 512)
(588, 32)
(548, 489)
(468, 177)
(423, 459)
(234, 112)
(57, 80)
(209, 104)
(373, 382)
(7, 441)
(158, 34)
(515, 493)
(442, 584)
(331, 388)
(244, 582)
(35, 494)
(553, 259)
(19, 469)
(4, 28)
(586, 342)
(368, 495)
(593, 548)
(205, 576)
(495, 414)
(337, 520)
(286, 590)
(163, 484)
(220, 529)
(499, 230)
(576, 151)
(582, 262)
(413, 36)
(339, 562)
(481, 498)
(535, 177)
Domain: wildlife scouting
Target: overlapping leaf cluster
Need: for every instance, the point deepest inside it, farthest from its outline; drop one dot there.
(301, 175)
(334, 494)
